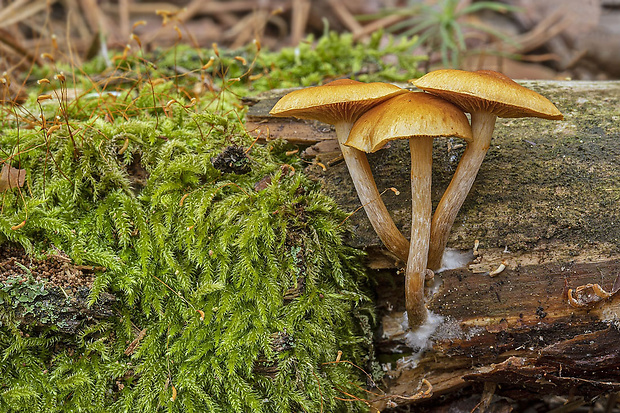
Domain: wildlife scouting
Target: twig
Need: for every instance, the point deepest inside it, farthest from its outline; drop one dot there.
(89, 268)
(320, 390)
(250, 26)
(9, 40)
(206, 7)
(123, 17)
(378, 24)
(345, 16)
(546, 29)
(193, 8)
(569, 407)
(300, 12)
(132, 346)
(18, 11)
(487, 395)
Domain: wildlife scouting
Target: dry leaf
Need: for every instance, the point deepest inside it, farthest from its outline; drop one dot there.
(11, 177)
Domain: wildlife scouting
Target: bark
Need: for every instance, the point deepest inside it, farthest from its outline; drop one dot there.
(545, 206)
(66, 313)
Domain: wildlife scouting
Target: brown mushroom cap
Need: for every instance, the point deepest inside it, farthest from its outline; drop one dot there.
(342, 100)
(413, 114)
(487, 91)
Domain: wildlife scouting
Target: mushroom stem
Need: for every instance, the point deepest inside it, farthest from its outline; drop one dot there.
(421, 174)
(482, 124)
(369, 195)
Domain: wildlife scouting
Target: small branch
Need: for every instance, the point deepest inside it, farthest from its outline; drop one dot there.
(9, 40)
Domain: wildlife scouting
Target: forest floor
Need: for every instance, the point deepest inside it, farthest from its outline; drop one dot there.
(551, 44)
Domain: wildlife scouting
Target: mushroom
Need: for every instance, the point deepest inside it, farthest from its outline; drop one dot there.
(418, 117)
(340, 103)
(486, 95)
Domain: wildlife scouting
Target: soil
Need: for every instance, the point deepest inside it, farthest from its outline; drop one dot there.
(56, 271)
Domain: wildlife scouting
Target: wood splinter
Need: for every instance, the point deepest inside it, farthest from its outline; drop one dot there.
(587, 295)
(498, 270)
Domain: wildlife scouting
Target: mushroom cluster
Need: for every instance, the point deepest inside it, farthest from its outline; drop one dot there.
(418, 117)
(367, 115)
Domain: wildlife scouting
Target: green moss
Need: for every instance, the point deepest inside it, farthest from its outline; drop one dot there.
(245, 292)
(335, 56)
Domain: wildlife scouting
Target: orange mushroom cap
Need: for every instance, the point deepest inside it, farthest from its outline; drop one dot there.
(342, 100)
(412, 114)
(487, 91)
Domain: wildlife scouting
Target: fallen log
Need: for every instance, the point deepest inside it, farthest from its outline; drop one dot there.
(535, 311)
(50, 293)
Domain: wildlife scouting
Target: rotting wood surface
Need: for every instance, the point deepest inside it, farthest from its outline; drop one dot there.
(516, 329)
(546, 204)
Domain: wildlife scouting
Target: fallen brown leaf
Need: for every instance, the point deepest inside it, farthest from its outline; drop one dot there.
(11, 177)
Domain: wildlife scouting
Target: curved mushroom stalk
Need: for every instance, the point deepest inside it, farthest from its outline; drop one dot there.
(340, 103)
(370, 197)
(482, 125)
(418, 117)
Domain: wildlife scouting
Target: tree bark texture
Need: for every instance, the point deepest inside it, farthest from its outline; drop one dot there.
(545, 208)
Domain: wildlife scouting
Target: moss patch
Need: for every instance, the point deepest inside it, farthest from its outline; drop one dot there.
(233, 290)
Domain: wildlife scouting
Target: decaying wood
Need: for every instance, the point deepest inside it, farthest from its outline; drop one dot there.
(541, 180)
(67, 313)
(545, 211)
(303, 132)
(517, 330)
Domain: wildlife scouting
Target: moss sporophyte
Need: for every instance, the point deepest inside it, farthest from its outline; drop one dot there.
(226, 295)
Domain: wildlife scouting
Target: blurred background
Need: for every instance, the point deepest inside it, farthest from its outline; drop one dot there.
(525, 39)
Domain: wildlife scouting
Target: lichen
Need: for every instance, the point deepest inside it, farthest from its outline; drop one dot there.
(22, 292)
